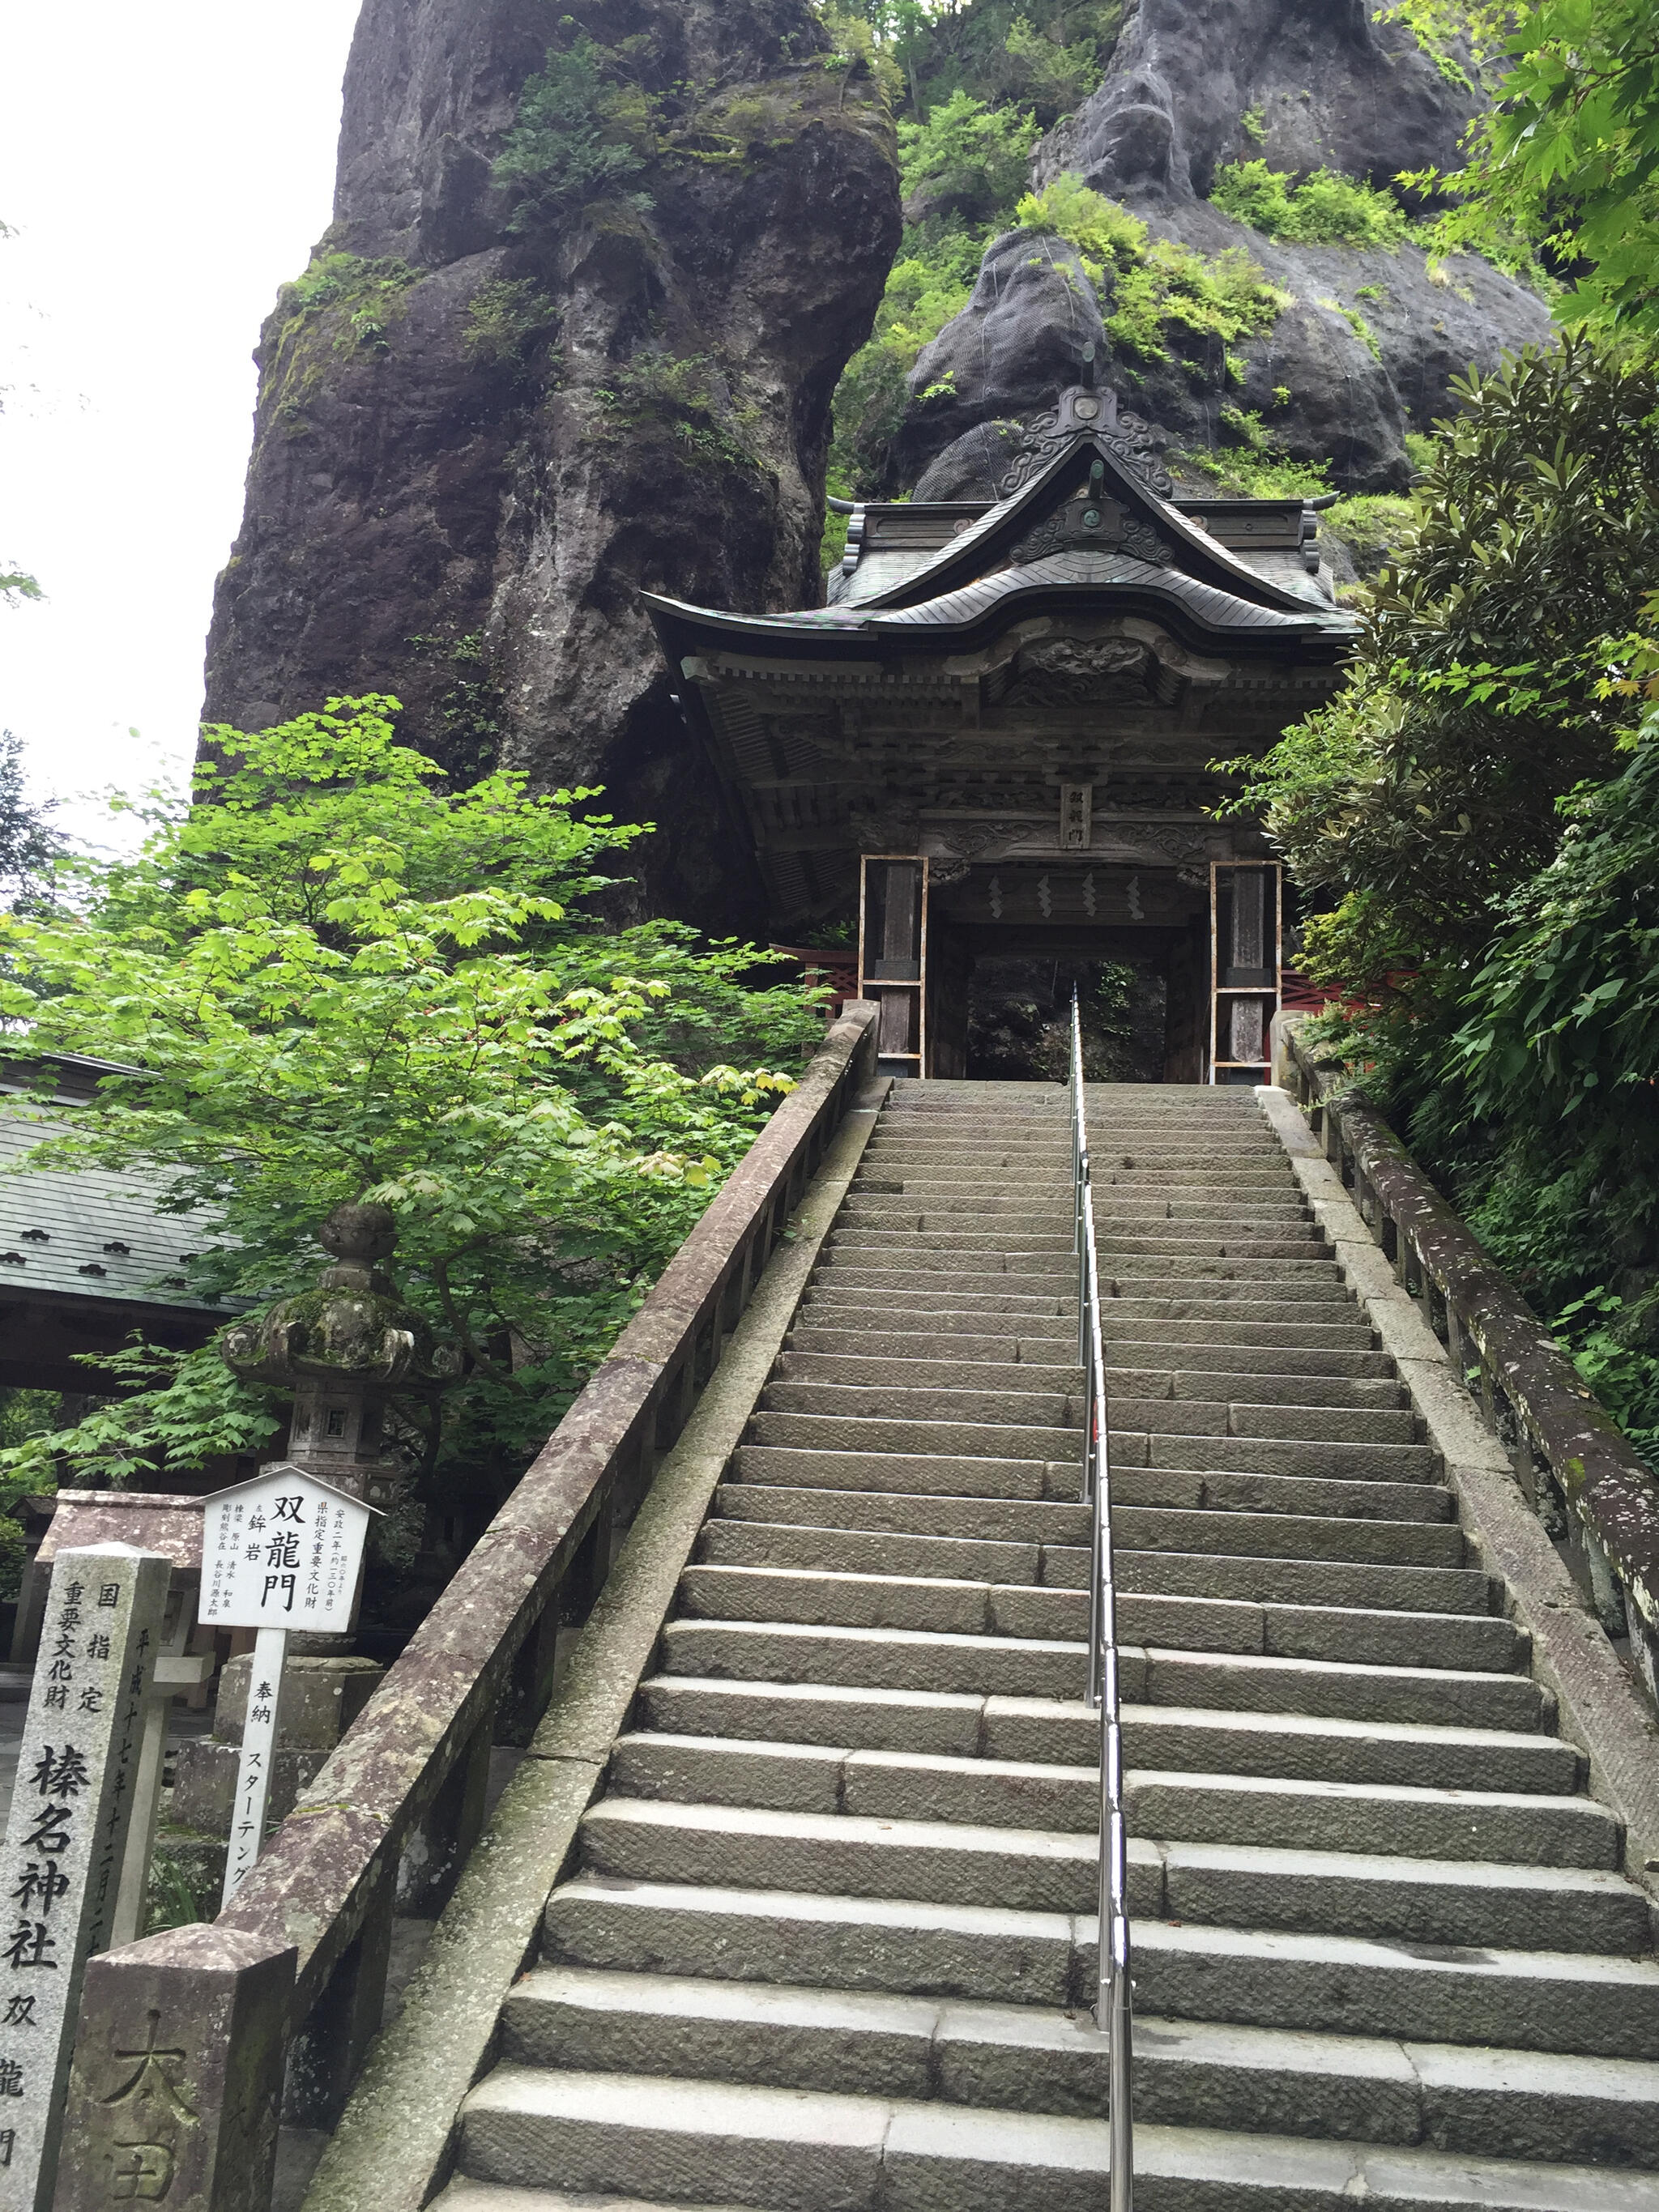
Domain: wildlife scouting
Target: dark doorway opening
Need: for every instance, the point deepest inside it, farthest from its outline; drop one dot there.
(1019, 1013)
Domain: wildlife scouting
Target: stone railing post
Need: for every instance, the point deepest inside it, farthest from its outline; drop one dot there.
(176, 2090)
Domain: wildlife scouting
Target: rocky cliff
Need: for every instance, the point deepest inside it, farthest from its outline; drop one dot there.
(574, 332)
(593, 278)
(1208, 110)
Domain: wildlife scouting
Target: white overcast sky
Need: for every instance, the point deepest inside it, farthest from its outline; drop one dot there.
(164, 169)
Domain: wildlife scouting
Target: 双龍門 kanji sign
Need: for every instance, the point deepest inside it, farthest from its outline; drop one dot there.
(283, 1550)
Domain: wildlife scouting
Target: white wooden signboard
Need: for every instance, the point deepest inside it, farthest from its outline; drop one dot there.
(281, 1552)
(70, 1809)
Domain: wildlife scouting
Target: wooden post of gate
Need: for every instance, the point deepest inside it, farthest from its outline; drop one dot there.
(279, 1553)
(893, 958)
(70, 1809)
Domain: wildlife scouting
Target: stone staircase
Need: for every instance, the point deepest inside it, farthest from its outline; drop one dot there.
(829, 1941)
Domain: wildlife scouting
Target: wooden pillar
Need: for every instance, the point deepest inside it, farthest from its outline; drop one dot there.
(1246, 951)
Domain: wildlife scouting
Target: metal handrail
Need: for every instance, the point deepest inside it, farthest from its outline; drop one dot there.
(1113, 1989)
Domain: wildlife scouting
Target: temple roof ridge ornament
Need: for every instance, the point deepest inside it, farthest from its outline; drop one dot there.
(1080, 413)
(1094, 466)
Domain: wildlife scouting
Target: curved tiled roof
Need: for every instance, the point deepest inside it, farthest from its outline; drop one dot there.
(1085, 565)
(1082, 568)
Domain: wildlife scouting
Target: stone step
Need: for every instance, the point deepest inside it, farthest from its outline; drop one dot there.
(973, 1439)
(1322, 1303)
(1191, 1253)
(745, 1543)
(729, 1933)
(1050, 1210)
(936, 1208)
(854, 1857)
(1557, 2001)
(903, 1474)
(977, 1520)
(911, 1368)
(1134, 1344)
(979, 1247)
(1296, 1686)
(1236, 1490)
(1011, 1835)
(1226, 1185)
(1290, 1746)
(1330, 1460)
(1023, 1305)
(1023, 1666)
(740, 2144)
(874, 1346)
(1027, 1314)
(1283, 1535)
(1210, 1384)
(1333, 1585)
(855, 1403)
(1024, 2059)
(1231, 1158)
(1197, 1409)
(907, 1659)
(1014, 1520)
(1160, 1262)
(1268, 1440)
(1028, 1274)
(1060, 1565)
(1146, 1580)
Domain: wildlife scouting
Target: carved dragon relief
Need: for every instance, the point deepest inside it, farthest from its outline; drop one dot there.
(1066, 672)
(966, 840)
(1101, 527)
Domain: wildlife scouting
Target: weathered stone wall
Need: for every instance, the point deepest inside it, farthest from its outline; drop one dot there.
(442, 502)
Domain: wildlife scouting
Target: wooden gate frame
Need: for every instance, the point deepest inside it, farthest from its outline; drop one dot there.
(872, 987)
(1218, 991)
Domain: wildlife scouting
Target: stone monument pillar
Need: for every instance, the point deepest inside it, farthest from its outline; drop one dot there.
(342, 1350)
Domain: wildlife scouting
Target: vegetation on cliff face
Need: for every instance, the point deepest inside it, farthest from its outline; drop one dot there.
(1324, 208)
(1476, 822)
(344, 980)
(963, 175)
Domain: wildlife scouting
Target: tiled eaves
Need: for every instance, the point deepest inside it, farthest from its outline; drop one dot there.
(88, 1232)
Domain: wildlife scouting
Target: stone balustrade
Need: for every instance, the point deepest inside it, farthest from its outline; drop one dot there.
(1590, 1489)
(266, 2013)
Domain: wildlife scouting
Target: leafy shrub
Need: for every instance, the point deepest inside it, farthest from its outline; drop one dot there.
(967, 158)
(1472, 703)
(504, 319)
(584, 131)
(345, 981)
(362, 298)
(1053, 76)
(1325, 208)
(688, 396)
(1249, 462)
(926, 288)
(1154, 287)
(1474, 822)
(1375, 525)
(1357, 323)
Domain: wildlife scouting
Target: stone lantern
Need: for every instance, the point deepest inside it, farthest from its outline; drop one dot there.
(343, 1349)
